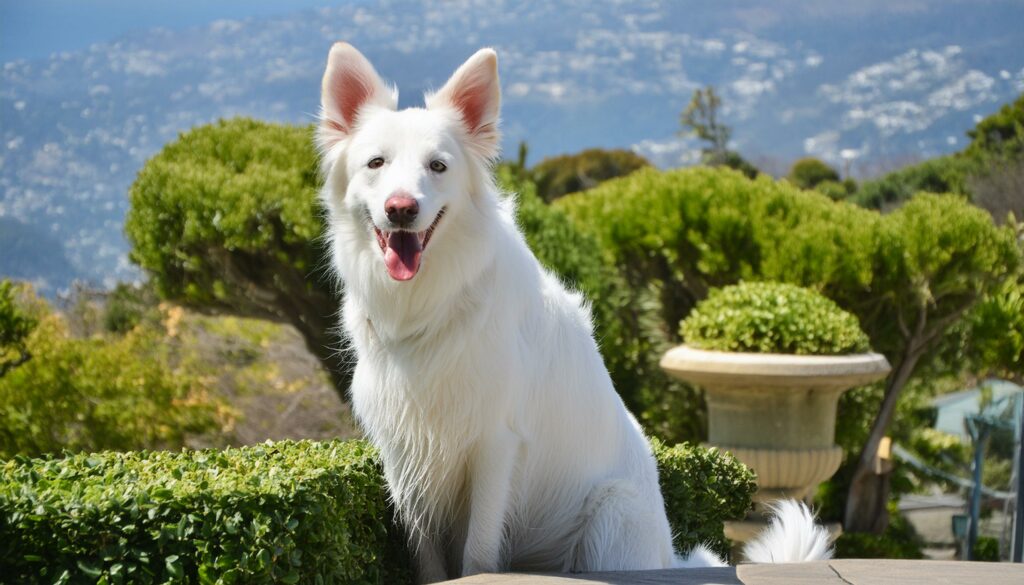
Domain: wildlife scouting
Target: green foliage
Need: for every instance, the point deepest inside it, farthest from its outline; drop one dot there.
(289, 512)
(835, 190)
(768, 317)
(936, 256)
(986, 549)
(99, 393)
(993, 156)
(237, 185)
(575, 256)
(990, 340)
(126, 306)
(733, 160)
(808, 172)
(1001, 134)
(226, 219)
(946, 174)
(675, 235)
(15, 326)
(560, 175)
(702, 488)
(899, 541)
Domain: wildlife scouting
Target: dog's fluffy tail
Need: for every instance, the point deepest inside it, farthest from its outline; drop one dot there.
(791, 537)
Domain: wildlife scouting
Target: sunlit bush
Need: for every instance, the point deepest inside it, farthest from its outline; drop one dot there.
(772, 317)
(100, 393)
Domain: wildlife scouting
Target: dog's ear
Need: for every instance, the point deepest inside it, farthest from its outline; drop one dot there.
(350, 85)
(475, 93)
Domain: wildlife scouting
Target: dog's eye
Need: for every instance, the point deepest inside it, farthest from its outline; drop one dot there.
(375, 162)
(438, 166)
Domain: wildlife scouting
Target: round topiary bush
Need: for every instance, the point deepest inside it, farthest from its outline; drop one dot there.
(771, 317)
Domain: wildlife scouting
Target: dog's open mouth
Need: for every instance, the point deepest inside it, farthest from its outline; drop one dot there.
(402, 249)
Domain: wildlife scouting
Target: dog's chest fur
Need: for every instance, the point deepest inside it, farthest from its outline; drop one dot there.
(424, 399)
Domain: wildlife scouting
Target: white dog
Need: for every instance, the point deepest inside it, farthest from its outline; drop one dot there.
(504, 444)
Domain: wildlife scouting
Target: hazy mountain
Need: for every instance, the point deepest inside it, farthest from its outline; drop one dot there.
(884, 81)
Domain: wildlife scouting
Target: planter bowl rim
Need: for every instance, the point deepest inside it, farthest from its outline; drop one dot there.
(684, 358)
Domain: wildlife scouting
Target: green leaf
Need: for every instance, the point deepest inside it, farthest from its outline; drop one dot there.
(174, 567)
(89, 569)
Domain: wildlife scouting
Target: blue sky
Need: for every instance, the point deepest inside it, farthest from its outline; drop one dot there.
(34, 29)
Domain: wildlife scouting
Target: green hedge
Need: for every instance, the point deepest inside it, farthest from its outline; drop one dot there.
(772, 317)
(287, 512)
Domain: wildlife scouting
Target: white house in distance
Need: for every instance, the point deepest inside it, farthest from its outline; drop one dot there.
(953, 407)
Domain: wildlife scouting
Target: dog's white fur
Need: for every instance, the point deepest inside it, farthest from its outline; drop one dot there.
(503, 441)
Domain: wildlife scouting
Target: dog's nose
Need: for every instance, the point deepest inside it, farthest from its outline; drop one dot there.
(401, 210)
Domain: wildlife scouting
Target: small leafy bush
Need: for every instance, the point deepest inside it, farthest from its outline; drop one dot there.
(560, 175)
(808, 172)
(986, 548)
(88, 394)
(772, 317)
(702, 488)
(287, 512)
(835, 190)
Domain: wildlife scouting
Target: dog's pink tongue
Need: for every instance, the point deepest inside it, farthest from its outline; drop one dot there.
(402, 256)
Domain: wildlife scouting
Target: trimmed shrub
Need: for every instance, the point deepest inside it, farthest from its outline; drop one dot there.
(702, 489)
(226, 219)
(287, 512)
(772, 317)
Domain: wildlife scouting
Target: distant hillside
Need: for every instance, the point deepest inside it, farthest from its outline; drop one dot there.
(878, 80)
(30, 253)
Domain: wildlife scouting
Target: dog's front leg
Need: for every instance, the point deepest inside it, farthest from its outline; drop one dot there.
(492, 465)
(429, 559)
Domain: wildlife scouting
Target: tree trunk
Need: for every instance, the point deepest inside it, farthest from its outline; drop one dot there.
(869, 492)
(266, 288)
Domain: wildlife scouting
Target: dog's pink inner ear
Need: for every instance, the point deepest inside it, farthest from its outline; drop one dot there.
(350, 84)
(350, 91)
(472, 100)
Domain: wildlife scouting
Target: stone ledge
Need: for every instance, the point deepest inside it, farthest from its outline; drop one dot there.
(835, 572)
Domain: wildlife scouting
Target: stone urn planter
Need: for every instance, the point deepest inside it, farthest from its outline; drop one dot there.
(774, 411)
